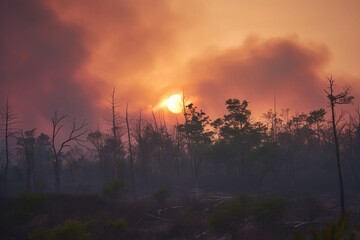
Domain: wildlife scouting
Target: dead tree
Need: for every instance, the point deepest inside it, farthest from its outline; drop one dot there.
(130, 153)
(142, 152)
(57, 148)
(115, 117)
(8, 116)
(338, 99)
(117, 145)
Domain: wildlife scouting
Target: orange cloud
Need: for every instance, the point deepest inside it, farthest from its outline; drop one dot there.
(68, 55)
(129, 43)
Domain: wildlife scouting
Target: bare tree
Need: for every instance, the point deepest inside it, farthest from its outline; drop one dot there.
(338, 99)
(115, 117)
(130, 153)
(8, 116)
(117, 150)
(144, 160)
(74, 136)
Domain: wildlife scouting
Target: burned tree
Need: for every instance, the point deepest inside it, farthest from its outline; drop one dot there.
(338, 99)
(8, 117)
(57, 148)
(113, 144)
(130, 153)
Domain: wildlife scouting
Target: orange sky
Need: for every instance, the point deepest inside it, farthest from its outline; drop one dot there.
(68, 55)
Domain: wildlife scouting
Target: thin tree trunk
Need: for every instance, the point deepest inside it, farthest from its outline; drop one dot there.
(6, 147)
(260, 183)
(339, 98)
(8, 116)
(178, 158)
(28, 170)
(113, 120)
(74, 136)
(341, 183)
(34, 174)
(57, 174)
(130, 154)
(143, 160)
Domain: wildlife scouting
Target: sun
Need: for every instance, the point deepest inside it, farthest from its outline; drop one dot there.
(174, 103)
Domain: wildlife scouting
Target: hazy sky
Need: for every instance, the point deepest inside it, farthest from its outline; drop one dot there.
(67, 55)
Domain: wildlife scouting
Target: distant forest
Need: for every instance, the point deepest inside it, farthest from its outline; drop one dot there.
(284, 153)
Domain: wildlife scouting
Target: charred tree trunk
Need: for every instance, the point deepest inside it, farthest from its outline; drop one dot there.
(8, 116)
(338, 164)
(341, 98)
(130, 154)
(6, 147)
(74, 136)
(117, 153)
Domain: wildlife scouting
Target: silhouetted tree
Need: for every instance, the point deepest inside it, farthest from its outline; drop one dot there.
(155, 150)
(76, 166)
(43, 164)
(237, 131)
(269, 158)
(130, 153)
(8, 117)
(338, 99)
(317, 118)
(140, 148)
(27, 143)
(353, 147)
(299, 142)
(75, 135)
(97, 139)
(115, 148)
(272, 121)
(197, 137)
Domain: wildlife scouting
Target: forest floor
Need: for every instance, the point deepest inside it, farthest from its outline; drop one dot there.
(199, 215)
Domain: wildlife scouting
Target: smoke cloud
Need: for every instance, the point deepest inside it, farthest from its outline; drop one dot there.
(68, 55)
(259, 70)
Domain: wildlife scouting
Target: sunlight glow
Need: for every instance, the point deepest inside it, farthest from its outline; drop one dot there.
(174, 103)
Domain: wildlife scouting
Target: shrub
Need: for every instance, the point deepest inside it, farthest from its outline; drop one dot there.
(226, 217)
(161, 195)
(114, 189)
(69, 230)
(118, 226)
(30, 201)
(26, 206)
(338, 231)
(39, 234)
(269, 209)
(184, 225)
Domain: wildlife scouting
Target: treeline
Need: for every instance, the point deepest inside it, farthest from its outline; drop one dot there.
(283, 153)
